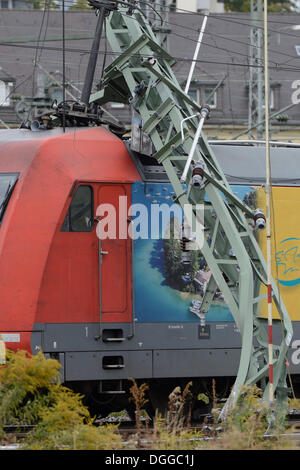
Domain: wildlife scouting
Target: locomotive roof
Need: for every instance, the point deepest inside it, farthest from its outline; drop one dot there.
(78, 153)
(16, 135)
(242, 163)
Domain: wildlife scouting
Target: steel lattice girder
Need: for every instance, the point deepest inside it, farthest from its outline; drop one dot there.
(142, 75)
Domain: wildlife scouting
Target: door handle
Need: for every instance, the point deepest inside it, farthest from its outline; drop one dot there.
(101, 253)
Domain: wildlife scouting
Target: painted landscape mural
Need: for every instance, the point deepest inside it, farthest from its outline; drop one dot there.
(164, 286)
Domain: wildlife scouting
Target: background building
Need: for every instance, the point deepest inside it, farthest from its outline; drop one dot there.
(16, 5)
(213, 6)
(31, 65)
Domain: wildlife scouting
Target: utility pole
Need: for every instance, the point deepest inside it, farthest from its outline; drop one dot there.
(256, 84)
(104, 10)
(87, 86)
(268, 207)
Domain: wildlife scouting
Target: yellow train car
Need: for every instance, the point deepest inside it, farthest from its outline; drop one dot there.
(244, 165)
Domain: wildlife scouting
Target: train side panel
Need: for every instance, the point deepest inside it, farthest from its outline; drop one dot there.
(48, 167)
(88, 275)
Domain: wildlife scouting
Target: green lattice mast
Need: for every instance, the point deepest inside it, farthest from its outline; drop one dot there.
(141, 74)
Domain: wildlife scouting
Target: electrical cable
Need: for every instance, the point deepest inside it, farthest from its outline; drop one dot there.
(207, 33)
(221, 37)
(178, 59)
(218, 47)
(216, 16)
(244, 65)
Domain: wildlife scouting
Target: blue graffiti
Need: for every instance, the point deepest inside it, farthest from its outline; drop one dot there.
(289, 259)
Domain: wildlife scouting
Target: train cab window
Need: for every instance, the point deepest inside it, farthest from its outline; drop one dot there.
(7, 183)
(79, 217)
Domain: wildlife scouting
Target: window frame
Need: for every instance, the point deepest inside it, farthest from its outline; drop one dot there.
(200, 88)
(271, 99)
(68, 217)
(8, 194)
(214, 96)
(6, 90)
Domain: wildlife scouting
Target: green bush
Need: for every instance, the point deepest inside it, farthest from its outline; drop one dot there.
(32, 394)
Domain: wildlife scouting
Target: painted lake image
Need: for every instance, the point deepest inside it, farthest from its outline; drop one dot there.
(164, 286)
(156, 301)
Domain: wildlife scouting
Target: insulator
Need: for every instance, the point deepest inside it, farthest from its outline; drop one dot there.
(197, 175)
(37, 126)
(205, 110)
(151, 61)
(259, 219)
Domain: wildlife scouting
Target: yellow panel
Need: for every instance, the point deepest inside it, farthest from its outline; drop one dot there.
(285, 229)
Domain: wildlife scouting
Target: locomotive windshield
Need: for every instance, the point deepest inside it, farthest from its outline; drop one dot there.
(7, 183)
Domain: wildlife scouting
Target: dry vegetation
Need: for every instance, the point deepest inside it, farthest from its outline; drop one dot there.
(31, 394)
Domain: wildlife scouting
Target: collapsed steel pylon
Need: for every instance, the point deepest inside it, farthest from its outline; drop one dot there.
(141, 74)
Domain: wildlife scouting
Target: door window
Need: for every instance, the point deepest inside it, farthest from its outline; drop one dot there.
(79, 217)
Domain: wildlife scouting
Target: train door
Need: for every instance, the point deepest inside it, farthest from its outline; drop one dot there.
(115, 252)
(88, 279)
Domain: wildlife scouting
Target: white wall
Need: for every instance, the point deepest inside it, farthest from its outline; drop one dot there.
(190, 5)
(194, 5)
